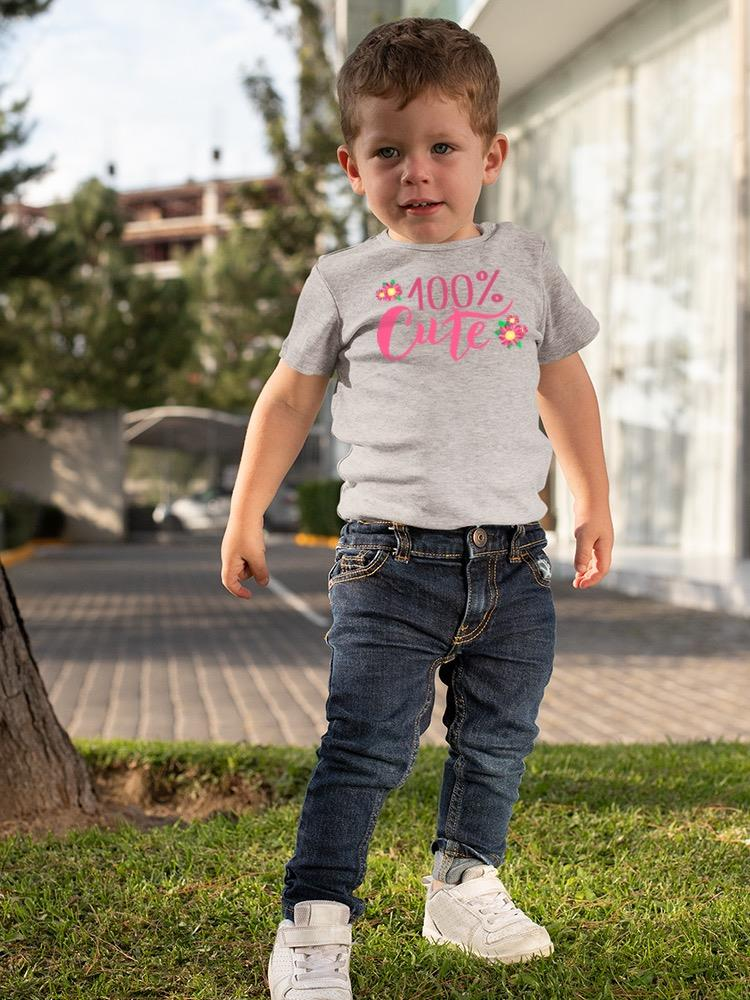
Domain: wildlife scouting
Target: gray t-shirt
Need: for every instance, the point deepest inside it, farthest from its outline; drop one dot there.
(437, 348)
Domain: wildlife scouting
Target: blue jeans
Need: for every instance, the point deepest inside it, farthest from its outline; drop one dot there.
(474, 602)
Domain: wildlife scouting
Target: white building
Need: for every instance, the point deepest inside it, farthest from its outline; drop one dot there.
(628, 129)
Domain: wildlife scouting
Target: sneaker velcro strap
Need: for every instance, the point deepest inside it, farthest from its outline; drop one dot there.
(293, 937)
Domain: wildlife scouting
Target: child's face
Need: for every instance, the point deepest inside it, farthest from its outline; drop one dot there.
(426, 152)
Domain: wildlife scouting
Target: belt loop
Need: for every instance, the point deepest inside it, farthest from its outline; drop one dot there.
(403, 541)
(515, 544)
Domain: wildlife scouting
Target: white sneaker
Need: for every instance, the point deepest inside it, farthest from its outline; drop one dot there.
(479, 916)
(310, 957)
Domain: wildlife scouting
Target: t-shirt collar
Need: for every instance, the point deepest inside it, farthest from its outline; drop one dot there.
(487, 229)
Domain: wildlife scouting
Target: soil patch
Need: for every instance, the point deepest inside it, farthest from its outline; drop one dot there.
(146, 798)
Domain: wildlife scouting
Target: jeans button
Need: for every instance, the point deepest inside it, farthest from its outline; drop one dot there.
(479, 536)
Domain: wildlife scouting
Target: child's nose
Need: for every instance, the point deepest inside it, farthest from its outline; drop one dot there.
(415, 168)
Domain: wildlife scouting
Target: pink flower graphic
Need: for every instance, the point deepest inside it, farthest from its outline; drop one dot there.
(510, 330)
(389, 291)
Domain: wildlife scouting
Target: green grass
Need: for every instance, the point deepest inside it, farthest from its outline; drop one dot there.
(635, 857)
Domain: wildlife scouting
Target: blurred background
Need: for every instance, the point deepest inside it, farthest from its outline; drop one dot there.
(168, 176)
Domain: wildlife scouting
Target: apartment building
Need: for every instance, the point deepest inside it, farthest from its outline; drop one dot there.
(162, 223)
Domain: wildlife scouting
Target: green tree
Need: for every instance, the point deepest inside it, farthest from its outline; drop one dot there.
(22, 254)
(246, 291)
(79, 329)
(108, 338)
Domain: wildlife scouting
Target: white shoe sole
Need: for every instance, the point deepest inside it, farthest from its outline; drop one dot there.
(430, 931)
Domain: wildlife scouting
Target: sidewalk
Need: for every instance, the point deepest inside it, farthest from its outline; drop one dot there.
(142, 641)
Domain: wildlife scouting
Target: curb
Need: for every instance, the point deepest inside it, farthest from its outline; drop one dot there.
(23, 552)
(10, 557)
(302, 538)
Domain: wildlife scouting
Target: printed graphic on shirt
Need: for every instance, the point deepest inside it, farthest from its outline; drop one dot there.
(397, 335)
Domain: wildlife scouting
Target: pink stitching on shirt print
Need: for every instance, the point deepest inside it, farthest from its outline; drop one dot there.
(440, 294)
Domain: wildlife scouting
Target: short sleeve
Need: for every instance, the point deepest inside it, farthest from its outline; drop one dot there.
(568, 324)
(314, 339)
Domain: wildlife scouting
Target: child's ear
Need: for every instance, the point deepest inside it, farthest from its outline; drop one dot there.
(495, 157)
(349, 166)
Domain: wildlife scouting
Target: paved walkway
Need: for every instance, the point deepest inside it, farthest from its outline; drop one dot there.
(141, 640)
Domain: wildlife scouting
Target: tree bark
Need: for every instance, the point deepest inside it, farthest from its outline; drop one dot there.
(40, 769)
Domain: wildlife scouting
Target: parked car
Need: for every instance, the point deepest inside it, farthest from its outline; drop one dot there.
(283, 512)
(208, 510)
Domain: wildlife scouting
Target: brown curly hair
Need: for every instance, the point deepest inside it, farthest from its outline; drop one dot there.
(417, 54)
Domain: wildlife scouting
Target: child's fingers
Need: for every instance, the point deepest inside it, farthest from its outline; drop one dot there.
(240, 569)
(234, 586)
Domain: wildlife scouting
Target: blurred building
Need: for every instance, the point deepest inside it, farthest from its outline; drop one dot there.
(628, 129)
(163, 223)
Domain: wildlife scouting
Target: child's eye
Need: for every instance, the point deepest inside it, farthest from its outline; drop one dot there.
(383, 148)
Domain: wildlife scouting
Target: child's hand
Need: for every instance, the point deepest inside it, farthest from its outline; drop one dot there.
(243, 555)
(594, 540)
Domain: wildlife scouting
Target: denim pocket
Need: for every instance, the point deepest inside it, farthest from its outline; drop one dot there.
(356, 562)
(538, 562)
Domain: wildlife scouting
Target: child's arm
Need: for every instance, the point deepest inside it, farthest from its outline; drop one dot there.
(279, 424)
(569, 410)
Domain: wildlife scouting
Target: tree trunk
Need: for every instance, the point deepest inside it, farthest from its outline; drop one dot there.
(40, 770)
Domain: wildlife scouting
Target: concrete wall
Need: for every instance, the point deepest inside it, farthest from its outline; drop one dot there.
(78, 466)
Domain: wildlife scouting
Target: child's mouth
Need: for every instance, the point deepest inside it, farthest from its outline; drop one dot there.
(422, 210)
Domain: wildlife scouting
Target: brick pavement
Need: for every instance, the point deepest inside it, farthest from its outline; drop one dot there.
(140, 640)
